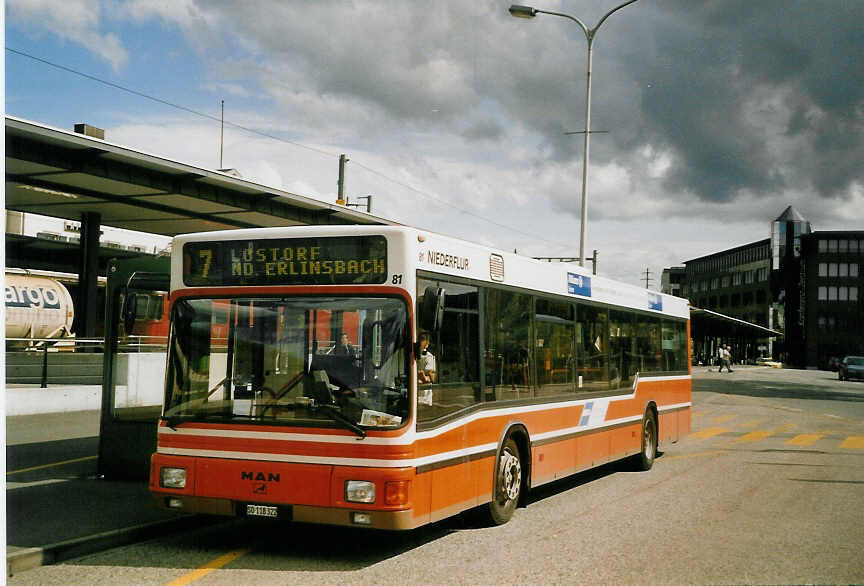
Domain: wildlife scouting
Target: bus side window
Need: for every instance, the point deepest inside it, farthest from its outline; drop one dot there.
(455, 350)
(508, 361)
(554, 348)
(592, 347)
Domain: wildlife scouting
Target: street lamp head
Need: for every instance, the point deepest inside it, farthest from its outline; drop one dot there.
(523, 11)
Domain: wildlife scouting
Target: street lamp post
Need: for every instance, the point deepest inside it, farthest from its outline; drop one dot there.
(529, 12)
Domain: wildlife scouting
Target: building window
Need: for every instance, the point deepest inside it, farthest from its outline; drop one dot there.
(832, 269)
(823, 293)
(704, 285)
(832, 246)
(763, 274)
(843, 246)
(842, 294)
(736, 278)
(853, 293)
(748, 277)
(843, 269)
(822, 323)
(714, 283)
(724, 282)
(853, 246)
(832, 293)
(823, 269)
(853, 269)
(823, 246)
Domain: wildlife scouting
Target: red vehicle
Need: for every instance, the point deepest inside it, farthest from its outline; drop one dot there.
(531, 371)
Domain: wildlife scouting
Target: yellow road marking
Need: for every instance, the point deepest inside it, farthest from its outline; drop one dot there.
(752, 423)
(854, 441)
(693, 455)
(804, 439)
(708, 432)
(84, 459)
(209, 567)
(753, 436)
(697, 414)
(723, 418)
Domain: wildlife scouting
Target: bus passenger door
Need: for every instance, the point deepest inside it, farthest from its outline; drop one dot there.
(452, 356)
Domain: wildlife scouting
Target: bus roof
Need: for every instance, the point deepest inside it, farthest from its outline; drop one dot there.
(447, 256)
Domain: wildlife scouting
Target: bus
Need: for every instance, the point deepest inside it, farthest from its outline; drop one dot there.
(532, 371)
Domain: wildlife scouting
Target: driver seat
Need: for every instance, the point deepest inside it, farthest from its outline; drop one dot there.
(320, 390)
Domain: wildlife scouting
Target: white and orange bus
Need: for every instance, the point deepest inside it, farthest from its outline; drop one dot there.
(537, 371)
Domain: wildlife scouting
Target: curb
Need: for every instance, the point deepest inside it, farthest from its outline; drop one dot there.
(32, 557)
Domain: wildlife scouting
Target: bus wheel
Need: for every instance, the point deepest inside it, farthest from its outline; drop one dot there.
(645, 459)
(508, 484)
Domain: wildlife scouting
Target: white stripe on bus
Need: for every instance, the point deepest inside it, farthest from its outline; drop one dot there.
(396, 462)
(409, 437)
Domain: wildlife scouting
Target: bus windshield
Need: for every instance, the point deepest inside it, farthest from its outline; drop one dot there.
(320, 361)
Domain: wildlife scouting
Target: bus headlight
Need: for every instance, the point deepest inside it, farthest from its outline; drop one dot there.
(359, 491)
(172, 477)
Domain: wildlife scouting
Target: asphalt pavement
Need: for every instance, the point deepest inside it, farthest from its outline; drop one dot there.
(56, 506)
(58, 509)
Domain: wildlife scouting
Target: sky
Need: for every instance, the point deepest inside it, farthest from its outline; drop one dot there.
(455, 116)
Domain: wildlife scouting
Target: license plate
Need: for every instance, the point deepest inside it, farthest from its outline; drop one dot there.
(262, 511)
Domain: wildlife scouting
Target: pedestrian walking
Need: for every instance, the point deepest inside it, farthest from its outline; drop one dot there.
(725, 358)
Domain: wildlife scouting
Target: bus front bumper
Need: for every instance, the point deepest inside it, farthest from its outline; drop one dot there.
(390, 520)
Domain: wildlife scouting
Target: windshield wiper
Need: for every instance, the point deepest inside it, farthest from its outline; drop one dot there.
(338, 416)
(173, 420)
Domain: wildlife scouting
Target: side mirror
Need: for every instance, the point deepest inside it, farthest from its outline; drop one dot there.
(431, 310)
(134, 307)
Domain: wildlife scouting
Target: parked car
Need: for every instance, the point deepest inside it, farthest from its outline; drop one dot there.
(851, 367)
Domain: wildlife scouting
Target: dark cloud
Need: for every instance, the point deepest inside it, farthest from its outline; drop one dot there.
(735, 58)
(484, 130)
(746, 97)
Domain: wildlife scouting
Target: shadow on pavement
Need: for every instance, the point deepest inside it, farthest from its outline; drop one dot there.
(42, 453)
(280, 546)
(784, 390)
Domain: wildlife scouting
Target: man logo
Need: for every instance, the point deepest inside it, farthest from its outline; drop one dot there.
(259, 476)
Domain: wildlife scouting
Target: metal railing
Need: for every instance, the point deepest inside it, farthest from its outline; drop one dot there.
(46, 346)
(16, 369)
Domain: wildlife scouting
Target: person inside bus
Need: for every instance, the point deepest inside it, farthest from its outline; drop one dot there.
(425, 361)
(345, 348)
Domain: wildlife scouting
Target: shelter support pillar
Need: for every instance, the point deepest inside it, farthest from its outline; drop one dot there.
(86, 311)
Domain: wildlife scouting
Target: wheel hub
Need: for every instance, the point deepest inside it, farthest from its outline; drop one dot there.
(511, 475)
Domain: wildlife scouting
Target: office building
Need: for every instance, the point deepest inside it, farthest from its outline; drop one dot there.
(806, 284)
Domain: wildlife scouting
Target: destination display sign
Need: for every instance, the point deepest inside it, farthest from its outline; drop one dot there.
(344, 260)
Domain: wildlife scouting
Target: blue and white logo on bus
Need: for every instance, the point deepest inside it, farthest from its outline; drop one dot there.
(578, 285)
(594, 413)
(655, 301)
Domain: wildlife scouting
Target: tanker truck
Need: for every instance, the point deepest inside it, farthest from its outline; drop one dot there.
(37, 307)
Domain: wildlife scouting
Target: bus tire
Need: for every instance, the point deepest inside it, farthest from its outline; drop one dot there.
(644, 460)
(508, 484)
